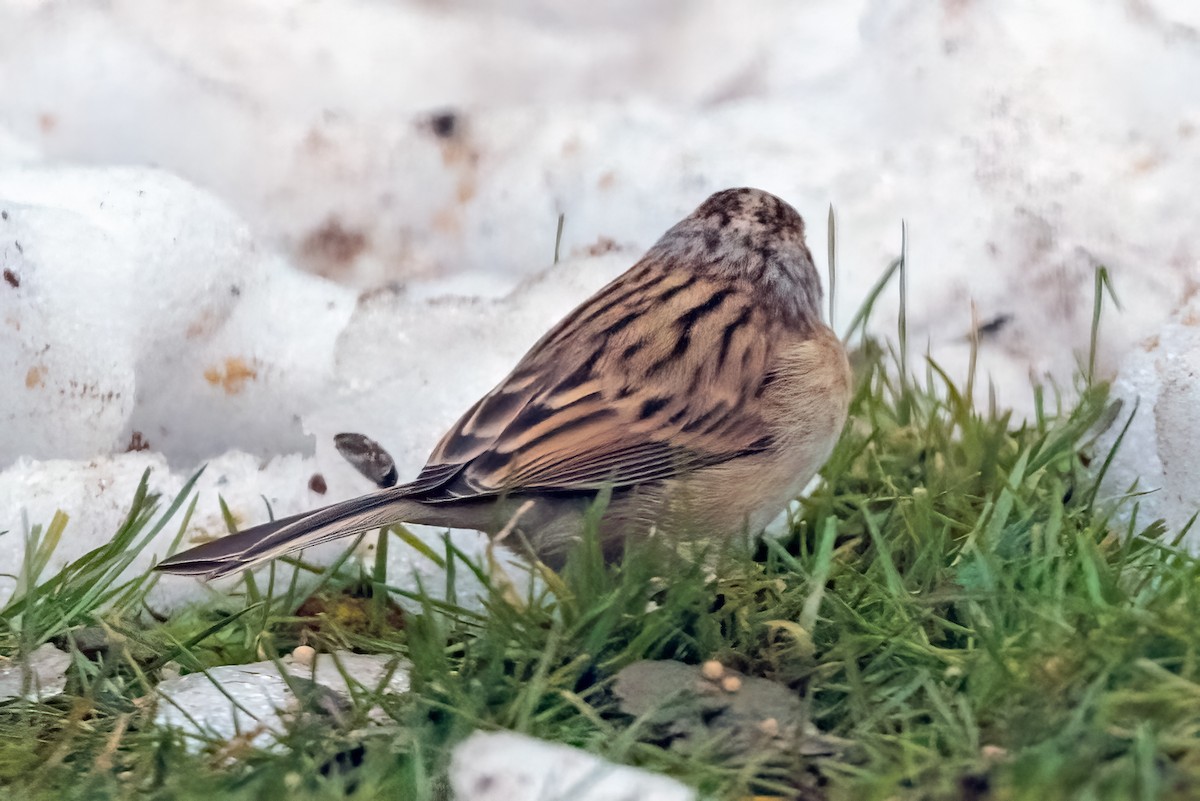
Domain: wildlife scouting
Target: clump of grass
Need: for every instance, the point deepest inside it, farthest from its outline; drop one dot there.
(952, 601)
(42, 609)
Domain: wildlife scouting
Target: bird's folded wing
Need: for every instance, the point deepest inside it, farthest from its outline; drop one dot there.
(637, 405)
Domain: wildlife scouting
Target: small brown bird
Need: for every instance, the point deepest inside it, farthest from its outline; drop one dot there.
(700, 388)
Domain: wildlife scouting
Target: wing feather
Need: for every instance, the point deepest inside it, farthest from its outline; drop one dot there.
(607, 399)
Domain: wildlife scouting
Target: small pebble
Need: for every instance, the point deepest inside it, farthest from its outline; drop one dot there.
(993, 752)
(712, 670)
(304, 654)
(731, 684)
(769, 727)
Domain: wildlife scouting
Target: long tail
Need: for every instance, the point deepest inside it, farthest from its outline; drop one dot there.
(259, 544)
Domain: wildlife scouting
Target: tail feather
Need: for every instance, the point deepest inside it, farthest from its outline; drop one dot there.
(261, 543)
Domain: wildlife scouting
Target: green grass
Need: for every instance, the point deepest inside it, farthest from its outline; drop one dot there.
(953, 601)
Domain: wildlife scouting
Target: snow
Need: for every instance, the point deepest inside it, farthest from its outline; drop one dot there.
(497, 766)
(37, 676)
(1159, 388)
(228, 242)
(256, 701)
(140, 297)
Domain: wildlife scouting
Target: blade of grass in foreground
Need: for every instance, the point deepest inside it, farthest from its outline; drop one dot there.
(47, 608)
